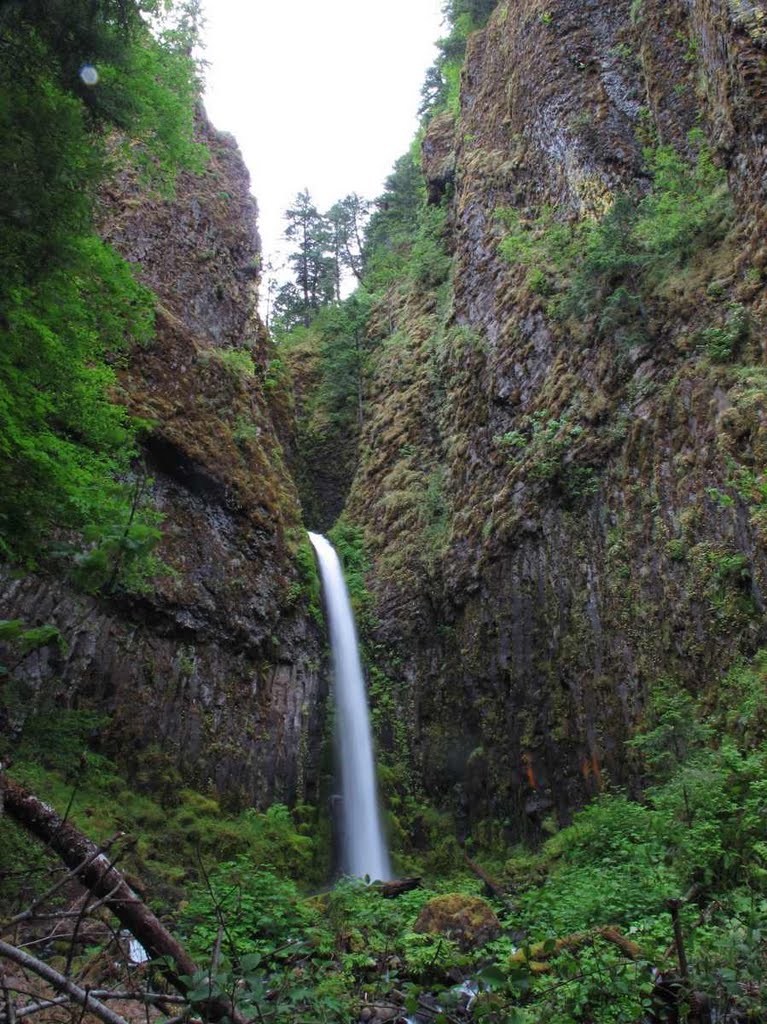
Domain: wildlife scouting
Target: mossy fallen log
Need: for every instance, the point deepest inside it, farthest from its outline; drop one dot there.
(534, 957)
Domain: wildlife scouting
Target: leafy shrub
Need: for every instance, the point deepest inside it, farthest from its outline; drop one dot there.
(543, 444)
(686, 209)
(349, 542)
(612, 828)
(308, 583)
(262, 912)
(722, 343)
(238, 361)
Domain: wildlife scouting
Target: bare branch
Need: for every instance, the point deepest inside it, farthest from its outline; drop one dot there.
(93, 870)
(29, 913)
(10, 1009)
(78, 995)
(27, 1011)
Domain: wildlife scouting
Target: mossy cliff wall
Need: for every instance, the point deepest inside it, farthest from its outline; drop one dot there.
(561, 512)
(214, 672)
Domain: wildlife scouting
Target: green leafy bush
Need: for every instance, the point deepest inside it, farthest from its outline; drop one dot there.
(261, 910)
(238, 362)
(547, 447)
(429, 262)
(349, 542)
(722, 343)
(71, 305)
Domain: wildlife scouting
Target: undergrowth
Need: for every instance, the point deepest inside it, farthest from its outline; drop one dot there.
(585, 934)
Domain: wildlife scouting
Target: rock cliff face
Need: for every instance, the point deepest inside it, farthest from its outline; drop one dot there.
(560, 515)
(215, 672)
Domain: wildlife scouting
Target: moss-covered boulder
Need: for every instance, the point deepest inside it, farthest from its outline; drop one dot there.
(469, 920)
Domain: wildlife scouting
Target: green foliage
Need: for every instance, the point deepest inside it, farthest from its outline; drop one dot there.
(308, 583)
(316, 957)
(393, 227)
(262, 911)
(723, 343)
(610, 829)
(741, 708)
(545, 445)
(275, 374)
(441, 88)
(71, 305)
(59, 741)
(245, 431)
(349, 542)
(25, 867)
(429, 262)
(344, 359)
(672, 730)
(24, 640)
(316, 272)
(610, 890)
(435, 514)
(238, 362)
(686, 209)
(121, 552)
(64, 443)
(605, 987)
(612, 265)
(702, 823)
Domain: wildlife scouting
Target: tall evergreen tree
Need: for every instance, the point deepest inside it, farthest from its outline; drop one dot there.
(348, 219)
(312, 262)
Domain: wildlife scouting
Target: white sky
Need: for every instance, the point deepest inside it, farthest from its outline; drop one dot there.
(320, 94)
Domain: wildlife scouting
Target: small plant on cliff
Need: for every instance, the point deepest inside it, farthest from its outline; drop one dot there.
(429, 262)
(238, 362)
(722, 343)
(349, 542)
(308, 583)
(543, 445)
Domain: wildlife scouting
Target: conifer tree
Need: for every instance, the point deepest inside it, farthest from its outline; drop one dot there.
(312, 263)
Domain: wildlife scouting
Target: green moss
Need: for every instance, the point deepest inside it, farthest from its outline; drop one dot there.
(307, 587)
(609, 267)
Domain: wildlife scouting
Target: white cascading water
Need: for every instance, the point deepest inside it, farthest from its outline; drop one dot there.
(364, 849)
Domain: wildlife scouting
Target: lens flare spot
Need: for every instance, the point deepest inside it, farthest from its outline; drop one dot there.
(89, 74)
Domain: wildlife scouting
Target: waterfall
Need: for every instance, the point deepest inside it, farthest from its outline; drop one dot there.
(364, 849)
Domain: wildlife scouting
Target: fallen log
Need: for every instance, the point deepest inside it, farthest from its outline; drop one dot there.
(91, 867)
(493, 887)
(396, 886)
(535, 956)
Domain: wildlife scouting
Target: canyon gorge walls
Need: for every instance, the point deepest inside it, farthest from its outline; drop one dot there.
(561, 474)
